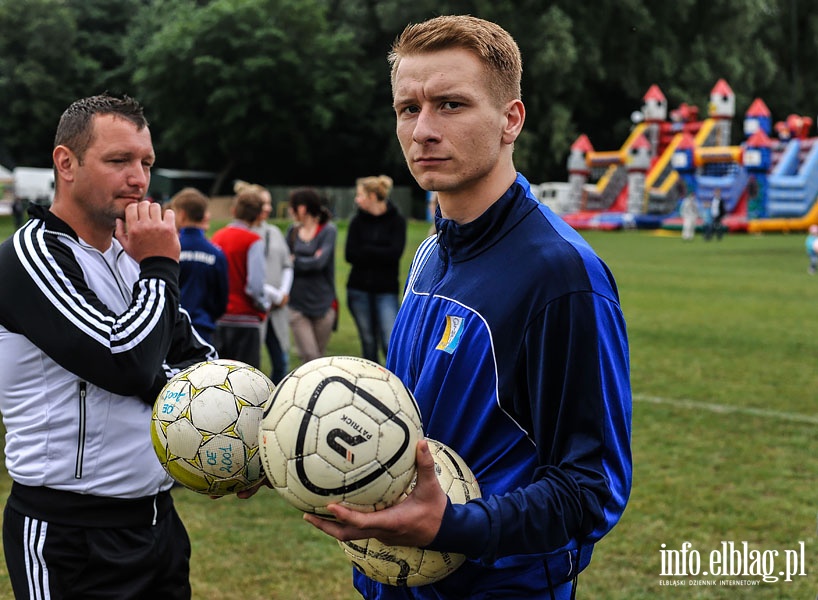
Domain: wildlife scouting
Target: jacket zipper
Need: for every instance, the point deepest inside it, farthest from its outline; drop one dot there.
(115, 271)
(83, 392)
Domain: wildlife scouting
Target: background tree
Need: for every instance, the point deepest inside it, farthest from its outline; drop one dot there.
(52, 52)
(102, 28)
(38, 63)
(789, 35)
(297, 91)
(249, 86)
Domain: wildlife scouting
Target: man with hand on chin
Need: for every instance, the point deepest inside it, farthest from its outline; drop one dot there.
(90, 331)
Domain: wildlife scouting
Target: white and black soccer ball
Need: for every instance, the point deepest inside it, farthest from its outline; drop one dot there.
(408, 566)
(205, 426)
(340, 429)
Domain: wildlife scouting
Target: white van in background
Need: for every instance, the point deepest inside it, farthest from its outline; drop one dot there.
(34, 185)
(554, 194)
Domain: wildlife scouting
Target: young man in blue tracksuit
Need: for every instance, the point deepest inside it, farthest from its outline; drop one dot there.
(510, 335)
(202, 265)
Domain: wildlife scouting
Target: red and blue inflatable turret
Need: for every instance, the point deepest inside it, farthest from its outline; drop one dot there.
(757, 159)
(654, 110)
(578, 172)
(722, 109)
(757, 118)
(683, 160)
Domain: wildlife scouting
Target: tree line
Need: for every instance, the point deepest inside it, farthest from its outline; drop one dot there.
(291, 92)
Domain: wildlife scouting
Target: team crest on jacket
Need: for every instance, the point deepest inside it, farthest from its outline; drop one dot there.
(451, 334)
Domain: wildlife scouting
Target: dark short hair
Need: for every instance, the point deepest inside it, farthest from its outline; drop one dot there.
(192, 202)
(75, 129)
(312, 201)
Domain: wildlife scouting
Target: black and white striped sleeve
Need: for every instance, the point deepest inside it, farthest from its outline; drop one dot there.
(45, 297)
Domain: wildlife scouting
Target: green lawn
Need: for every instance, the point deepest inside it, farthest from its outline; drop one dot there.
(723, 341)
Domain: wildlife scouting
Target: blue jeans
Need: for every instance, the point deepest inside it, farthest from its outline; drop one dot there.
(374, 316)
(279, 360)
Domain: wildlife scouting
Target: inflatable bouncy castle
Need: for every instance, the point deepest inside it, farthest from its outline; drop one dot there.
(769, 182)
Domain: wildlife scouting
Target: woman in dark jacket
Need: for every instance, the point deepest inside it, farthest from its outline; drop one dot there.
(375, 242)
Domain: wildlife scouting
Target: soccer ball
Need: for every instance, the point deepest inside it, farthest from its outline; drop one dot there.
(340, 429)
(407, 566)
(205, 426)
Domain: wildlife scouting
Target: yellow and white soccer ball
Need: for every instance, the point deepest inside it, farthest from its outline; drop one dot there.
(340, 429)
(407, 566)
(205, 426)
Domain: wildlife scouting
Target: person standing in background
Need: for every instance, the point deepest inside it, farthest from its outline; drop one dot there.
(812, 248)
(279, 280)
(716, 212)
(431, 209)
(375, 242)
(690, 216)
(238, 331)
(202, 265)
(313, 306)
(18, 211)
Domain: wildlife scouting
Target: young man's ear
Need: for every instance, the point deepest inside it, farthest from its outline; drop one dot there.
(515, 118)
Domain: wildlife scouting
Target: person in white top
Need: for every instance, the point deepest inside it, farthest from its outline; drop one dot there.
(279, 280)
(690, 216)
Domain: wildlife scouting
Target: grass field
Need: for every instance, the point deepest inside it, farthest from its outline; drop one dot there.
(724, 342)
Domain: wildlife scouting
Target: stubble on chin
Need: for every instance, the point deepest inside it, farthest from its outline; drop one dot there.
(106, 219)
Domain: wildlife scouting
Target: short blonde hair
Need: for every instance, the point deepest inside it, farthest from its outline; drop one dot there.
(492, 44)
(380, 185)
(240, 187)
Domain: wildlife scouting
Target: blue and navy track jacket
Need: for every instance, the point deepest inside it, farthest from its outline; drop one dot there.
(202, 279)
(512, 339)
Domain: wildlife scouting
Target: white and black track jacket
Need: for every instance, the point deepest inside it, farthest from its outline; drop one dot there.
(87, 340)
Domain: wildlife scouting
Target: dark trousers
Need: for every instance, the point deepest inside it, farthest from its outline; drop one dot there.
(714, 228)
(239, 343)
(64, 562)
(374, 316)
